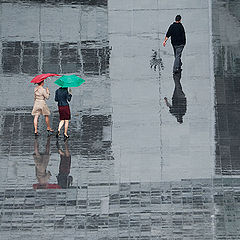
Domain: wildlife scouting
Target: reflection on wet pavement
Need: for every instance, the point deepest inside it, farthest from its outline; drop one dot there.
(156, 61)
(178, 107)
(41, 163)
(23, 57)
(136, 166)
(63, 178)
(227, 75)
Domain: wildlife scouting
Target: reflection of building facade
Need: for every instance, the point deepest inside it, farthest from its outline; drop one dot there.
(179, 210)
(84, 57)
(76, 41)
(82, 2)
(234, 7)
(95, 135)
(226, 69)
(12, 123)
(32, 45)
(226, 48)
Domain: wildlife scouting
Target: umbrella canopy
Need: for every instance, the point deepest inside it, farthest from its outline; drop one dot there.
(69, 81)
(41, 77)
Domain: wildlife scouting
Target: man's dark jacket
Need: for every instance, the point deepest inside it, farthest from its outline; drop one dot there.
(177, 33)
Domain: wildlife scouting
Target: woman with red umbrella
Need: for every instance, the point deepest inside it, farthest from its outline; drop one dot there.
(40, 107)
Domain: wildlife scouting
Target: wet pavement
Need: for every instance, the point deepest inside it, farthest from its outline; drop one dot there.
(151, 155)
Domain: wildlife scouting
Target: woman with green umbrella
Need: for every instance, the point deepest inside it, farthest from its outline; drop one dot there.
(63, 96)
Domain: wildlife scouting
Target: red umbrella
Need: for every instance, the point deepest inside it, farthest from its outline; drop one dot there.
(41, 77)
(46, 186)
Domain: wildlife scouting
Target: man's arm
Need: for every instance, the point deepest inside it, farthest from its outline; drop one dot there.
(165, 41)
(169, 33)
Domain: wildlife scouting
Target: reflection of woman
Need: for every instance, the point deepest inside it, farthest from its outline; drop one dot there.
(63, 178)
(41, 162)
(63, 96)
(40, 107)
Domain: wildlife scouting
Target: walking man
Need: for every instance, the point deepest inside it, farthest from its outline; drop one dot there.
(178, 39)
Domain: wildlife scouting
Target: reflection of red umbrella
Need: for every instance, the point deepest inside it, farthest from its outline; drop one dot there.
(46, 186)
(41, 77)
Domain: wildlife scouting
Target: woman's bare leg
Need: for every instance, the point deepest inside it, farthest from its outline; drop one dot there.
(60, 125)
(35, 123)
(48, 122)
(66, 127)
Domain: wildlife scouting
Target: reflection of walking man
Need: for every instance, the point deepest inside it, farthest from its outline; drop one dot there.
(178, 39)
(178, 107)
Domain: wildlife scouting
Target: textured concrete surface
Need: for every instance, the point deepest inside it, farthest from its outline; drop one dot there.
(130, 170)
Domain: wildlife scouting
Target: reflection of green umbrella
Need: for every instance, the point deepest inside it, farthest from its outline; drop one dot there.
(69, 81)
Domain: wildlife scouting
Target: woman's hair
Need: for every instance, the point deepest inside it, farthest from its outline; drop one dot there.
(40, 83)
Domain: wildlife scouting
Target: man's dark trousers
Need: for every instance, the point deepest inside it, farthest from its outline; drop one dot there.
(177, 54)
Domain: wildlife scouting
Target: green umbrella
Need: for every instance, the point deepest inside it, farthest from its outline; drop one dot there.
(69, 81)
